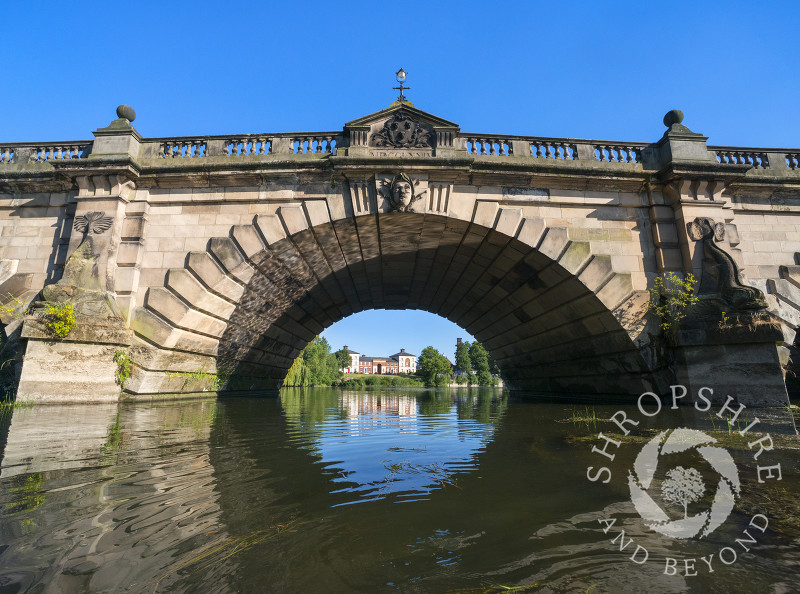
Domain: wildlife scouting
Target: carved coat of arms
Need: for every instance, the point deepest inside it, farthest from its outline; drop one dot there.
(401, 131)
(400, 192)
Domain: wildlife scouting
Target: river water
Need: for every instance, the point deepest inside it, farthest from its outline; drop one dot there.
(324, 490)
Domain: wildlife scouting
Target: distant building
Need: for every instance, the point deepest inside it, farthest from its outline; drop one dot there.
(399, 363)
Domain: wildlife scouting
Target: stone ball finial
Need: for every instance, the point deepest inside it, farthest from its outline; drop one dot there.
(674, 116)
(126, 111)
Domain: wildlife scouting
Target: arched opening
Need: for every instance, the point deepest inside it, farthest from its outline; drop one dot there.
(551, 312)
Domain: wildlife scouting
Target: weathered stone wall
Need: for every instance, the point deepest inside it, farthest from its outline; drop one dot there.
(34, 235)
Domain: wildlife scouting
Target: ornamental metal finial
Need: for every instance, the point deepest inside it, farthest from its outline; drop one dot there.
(401, 77)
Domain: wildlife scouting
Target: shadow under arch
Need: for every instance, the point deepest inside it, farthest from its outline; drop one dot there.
(551, 315)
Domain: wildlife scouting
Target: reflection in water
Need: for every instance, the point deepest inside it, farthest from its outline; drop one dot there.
(301, 494)
(416, 444)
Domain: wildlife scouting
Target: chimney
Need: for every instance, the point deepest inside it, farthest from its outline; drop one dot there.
(458, 342)
(345, 348)
(402, 350)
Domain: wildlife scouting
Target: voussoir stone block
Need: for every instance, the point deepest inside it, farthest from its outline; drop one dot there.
(485, 213)
(213, 277)
(508, 221)
(231, 259)
(294, 218)
(597, 272)
(248, 240)
(554, 242)
(271, 228)
(616, 290)
(185, 284)
(176, 311)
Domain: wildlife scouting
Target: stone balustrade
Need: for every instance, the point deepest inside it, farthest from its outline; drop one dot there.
(618, 152)
(321, 144)
(491, 145)
(738, 156)
(20, 152)
(181, 148)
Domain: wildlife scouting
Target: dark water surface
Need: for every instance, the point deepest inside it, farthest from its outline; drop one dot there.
(343, 491)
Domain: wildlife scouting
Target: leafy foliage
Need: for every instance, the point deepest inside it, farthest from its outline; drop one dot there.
(480, 363)
(433, 367)
(124, 367)
(316, 365)
(375, 381)
(60, 318)
(671, 297)
(343, 357)
(463, 361)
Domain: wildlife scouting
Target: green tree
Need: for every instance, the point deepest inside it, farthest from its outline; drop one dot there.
(480, 363)
(298, 373)
(323, 366)
(343, 357)
(316, 365)
(463, 361)
(433, 367)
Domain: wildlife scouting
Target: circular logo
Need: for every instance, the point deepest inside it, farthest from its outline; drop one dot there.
(682, 486)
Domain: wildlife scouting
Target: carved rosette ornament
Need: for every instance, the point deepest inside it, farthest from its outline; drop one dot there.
(402, 131)
(721, 286)
(400, 192)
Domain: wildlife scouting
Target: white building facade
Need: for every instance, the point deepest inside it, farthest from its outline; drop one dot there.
(399, 363)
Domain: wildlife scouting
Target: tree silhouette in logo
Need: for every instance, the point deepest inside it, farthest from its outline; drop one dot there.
(683, 487)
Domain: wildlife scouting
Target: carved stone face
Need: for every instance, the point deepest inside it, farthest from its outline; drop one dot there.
(402, 193)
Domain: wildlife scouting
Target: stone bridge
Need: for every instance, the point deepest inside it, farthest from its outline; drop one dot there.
(211, 261)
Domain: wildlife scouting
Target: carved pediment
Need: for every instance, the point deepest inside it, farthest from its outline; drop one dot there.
(401, 129)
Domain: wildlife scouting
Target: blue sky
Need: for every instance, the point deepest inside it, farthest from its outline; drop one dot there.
(602, 70)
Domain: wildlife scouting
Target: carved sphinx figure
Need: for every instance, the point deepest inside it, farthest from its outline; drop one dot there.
(721, 283)
(400, 192)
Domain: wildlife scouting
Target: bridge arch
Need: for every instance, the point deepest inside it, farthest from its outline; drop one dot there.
(556, 317)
